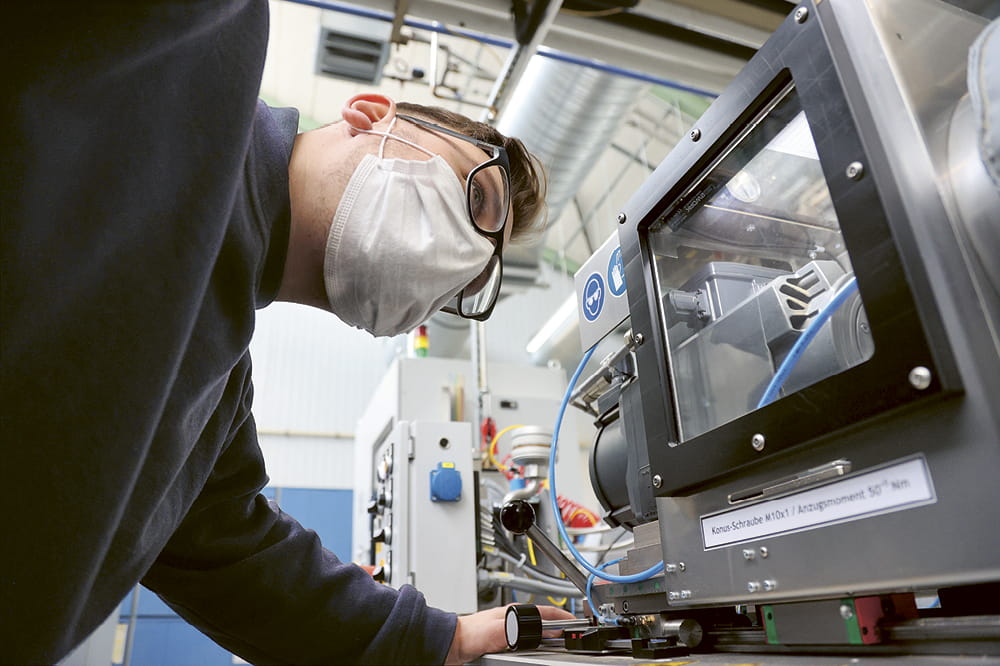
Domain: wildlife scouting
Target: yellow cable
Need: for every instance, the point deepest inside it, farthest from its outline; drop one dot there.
(561, 602)
(493, 448)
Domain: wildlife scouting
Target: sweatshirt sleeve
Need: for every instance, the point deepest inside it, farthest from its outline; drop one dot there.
(262, 586)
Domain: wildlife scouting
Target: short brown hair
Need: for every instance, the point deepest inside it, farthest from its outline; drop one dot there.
(527, 177)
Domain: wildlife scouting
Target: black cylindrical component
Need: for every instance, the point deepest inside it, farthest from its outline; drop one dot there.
(609, 466)
(523, 627)
(517, 516)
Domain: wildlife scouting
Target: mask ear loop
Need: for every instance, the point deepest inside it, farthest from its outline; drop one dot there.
(389, 135)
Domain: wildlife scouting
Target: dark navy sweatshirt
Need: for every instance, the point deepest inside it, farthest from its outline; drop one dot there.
(145, 216)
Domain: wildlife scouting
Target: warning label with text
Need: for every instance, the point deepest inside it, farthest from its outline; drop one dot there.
(892, 488)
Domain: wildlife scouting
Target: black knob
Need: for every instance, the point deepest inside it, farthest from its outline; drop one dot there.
(517, 516)
(383, 535)
(523, 627)
(380, 574)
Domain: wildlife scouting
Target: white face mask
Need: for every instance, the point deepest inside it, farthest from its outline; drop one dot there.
(401, 244)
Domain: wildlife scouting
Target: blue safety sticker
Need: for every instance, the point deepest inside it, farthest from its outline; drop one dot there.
(593, 297)
(616, 273)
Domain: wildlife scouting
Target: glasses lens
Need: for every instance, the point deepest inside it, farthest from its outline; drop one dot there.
(489, 197)
(481, 293)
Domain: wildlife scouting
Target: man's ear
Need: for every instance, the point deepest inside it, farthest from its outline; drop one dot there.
(363, 112)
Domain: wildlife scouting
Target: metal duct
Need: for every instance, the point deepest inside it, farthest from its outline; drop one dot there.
(567, 115)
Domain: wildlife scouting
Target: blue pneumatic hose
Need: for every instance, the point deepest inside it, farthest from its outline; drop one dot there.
(800, 345)
(633, 578)
(590, 587)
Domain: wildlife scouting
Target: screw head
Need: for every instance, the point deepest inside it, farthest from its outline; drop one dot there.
(753, 586)
(673, 596)
(682, 566)
(657, 480)
(764, 551)
(855, 170)
(846, 611)
(695, 134)
(670, 567)
(770, 585)
(639, 339)
(757, 442)
(621, 218)
(685, 594)
(748, 554)
(920, 378)
(801, 14)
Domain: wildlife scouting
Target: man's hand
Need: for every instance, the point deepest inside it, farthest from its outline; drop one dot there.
(483, 632)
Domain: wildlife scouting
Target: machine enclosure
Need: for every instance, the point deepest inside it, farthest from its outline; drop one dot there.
(879, 83)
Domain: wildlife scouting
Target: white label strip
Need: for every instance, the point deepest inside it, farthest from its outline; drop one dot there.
(892, 488)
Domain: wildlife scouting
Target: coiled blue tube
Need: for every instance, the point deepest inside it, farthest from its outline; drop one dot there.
(633, 578)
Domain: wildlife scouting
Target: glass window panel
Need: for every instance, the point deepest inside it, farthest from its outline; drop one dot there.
(745, 260)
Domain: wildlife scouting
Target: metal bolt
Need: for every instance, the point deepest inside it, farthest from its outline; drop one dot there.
(757, 442)
(920, 378)
(673, 596)
(764, 552)
(639, 339)
(621, 218)
(846, 611)
(770, 585)
(695, 134)
(753, 586)
(748, 554)
(801, 14)
(685, 594)
(670, 567)
(855, 170)
(657, 480)
(682, 566)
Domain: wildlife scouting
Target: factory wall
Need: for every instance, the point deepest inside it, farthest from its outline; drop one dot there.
(313, 376)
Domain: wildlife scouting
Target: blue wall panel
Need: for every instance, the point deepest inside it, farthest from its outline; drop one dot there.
(161, 641)
(327, 512)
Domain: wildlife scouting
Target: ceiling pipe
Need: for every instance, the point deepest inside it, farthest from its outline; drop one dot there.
(566, 115)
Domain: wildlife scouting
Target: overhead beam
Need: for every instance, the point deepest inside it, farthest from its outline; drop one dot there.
(686, 64)
(402, 7)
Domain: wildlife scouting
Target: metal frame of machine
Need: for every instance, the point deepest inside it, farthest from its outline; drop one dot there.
(923, 309)
(850, 494)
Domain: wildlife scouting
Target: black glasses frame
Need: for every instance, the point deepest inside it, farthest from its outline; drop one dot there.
(499, 159)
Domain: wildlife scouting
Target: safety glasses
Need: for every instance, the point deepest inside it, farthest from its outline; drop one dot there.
(487, 189)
